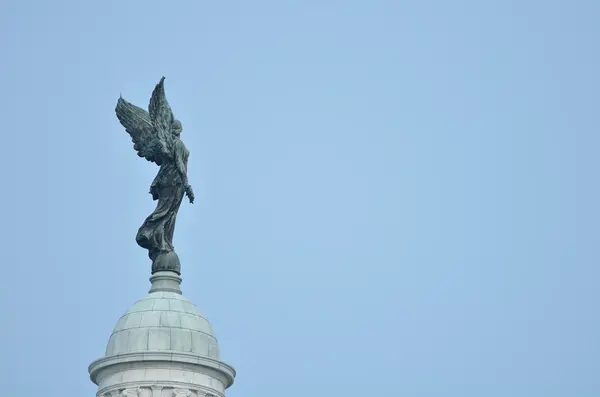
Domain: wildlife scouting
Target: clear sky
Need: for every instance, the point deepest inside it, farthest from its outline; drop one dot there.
(393, 197)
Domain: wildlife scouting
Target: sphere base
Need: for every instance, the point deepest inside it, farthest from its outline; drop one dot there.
(166, 262)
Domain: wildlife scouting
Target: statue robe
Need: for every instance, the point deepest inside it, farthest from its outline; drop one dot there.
(156, 233)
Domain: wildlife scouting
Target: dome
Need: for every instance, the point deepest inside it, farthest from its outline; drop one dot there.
(162, 343)
(163, 321)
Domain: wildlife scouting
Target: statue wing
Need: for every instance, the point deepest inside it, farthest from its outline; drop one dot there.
(162, 118)
(139, 126)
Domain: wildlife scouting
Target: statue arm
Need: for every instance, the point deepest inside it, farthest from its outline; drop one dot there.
(181, 165)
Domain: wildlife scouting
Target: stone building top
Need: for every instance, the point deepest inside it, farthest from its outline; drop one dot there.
(163, 345)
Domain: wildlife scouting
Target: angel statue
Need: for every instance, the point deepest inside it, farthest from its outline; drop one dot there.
(155, 136)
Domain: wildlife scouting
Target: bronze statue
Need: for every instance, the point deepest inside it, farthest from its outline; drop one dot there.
(155, 136)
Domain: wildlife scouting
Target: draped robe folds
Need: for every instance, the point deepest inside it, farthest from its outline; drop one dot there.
(156, 233)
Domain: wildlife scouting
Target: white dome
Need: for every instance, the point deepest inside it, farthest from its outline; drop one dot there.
(162, 346)
(163, 321)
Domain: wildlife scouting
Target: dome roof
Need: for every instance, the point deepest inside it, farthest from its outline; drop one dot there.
(163, 321)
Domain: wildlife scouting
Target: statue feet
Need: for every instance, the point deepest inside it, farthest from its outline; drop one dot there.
(166, 262)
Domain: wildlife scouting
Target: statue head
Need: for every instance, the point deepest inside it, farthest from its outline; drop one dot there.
(176, 127)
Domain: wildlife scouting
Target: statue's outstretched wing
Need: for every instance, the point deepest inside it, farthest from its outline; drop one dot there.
(151, 132)
(162, 117)
(139, 126)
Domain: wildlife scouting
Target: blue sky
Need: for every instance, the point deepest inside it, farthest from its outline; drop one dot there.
(393, 197)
